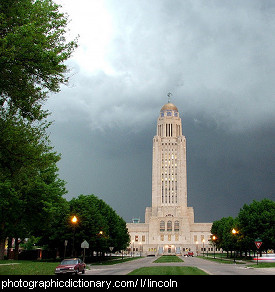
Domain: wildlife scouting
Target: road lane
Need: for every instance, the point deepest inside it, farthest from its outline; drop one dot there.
(210, 267)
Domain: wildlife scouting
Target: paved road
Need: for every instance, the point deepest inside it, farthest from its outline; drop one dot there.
(214, 268)
(122, 268)
(209, 267)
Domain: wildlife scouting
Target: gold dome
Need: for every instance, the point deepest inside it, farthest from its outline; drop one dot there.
(169, 106)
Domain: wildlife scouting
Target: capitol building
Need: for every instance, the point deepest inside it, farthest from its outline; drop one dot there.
(169, 226)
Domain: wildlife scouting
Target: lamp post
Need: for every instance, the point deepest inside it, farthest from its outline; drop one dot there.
(74, 220)
(214, 238)
(133, 247)
(234, 232)
(203, 247)
(111, 249)
(197, 248)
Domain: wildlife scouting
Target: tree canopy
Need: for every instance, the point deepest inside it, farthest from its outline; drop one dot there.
(97, 223)
(33, 49)
(256, 220)
(28, 178)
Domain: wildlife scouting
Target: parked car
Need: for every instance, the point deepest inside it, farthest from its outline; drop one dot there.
(189, 254)
(73, 266)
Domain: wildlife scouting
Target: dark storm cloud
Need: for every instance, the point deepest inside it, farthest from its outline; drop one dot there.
(227, 170)
(221, 51)
(217, 59)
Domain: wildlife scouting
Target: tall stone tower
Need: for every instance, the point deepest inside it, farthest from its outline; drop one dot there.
(169, 224)
(169, 182)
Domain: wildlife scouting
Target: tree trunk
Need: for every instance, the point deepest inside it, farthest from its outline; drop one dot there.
(9, 253)
(2, 248)
(16, 249)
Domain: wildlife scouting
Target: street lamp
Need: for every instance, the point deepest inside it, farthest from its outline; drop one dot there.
(74, 220)
(214, 237)
(203, 247)
(133, 248)
(234, 232)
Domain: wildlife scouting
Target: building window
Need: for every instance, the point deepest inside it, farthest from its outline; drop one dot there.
(177, 226)
(136, 238)
(162, 226)
(143, 238)
(162, 237)
(169, 225)
(169, 237)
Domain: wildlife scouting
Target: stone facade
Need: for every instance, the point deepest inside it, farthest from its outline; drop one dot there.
(169, 226)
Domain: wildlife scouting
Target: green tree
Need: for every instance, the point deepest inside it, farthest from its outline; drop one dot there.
(257, 220)
(33, 49)
(58, 228)
(223, 230)
(28, 177)
(92, 225)
(98, 224)
(118, 233)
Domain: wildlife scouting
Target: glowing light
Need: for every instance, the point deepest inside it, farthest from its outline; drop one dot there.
(234, 231)
(74, 219)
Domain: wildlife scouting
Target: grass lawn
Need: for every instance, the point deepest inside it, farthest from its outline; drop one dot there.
(221, 260)
(168, 259)
(263, 265)
(115, 260)
(168, 270)
(11, 267)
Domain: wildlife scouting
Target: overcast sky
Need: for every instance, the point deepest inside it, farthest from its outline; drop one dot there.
(217, 59)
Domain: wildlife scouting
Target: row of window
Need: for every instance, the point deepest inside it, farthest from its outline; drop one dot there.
(137, 239)
(169, 113)
(154, 249)
(169, 238)
(169, 176)
(169, 226)
(167, 130)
